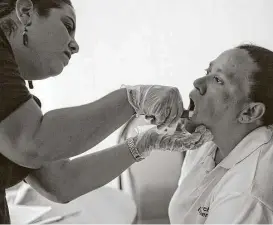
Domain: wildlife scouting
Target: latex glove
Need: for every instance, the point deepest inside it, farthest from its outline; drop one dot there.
(162, 103)
(179, 141)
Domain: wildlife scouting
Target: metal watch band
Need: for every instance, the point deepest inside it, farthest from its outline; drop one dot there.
(133, 149)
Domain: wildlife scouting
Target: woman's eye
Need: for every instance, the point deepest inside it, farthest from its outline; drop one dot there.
(207, 72)
(219, 81)
(68, 27)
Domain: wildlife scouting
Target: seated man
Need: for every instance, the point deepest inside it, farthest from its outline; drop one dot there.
(230, 180)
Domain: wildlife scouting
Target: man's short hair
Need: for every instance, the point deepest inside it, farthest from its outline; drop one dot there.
(262, 79)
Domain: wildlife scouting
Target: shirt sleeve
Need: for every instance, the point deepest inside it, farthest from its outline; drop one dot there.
(238, 208)
(13, 94)
(13, 91)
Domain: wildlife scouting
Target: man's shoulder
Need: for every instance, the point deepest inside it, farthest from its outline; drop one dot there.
(262, 186)
(252, 176)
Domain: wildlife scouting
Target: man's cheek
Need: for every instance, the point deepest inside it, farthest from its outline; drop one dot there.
(211, 108)
(220, 103)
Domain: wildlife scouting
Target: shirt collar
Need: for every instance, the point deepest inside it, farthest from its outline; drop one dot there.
(249, 144)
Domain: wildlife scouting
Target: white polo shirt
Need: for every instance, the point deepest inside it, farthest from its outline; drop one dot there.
(237, 190)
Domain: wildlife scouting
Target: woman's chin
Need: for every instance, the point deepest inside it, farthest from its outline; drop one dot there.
(56, 71)
(56, 68)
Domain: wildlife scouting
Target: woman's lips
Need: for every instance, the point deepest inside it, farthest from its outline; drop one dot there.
(68, 54)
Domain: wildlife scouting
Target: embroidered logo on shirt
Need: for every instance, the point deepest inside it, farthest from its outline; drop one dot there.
(203, 211)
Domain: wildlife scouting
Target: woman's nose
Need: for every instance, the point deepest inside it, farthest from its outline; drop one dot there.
(74, 47)
(200, 85)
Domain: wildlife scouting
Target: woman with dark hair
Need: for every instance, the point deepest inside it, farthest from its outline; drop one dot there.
(37, 42)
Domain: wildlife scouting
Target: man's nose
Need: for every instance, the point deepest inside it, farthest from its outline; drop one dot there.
(200, 85)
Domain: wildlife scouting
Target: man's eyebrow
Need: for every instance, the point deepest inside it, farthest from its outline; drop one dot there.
(219, 70)
(209, 68)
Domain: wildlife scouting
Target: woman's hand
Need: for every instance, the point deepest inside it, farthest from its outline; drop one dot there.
(178, 141)
(162, 103)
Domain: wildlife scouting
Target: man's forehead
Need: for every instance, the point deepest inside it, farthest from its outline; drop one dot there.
(234, 61)
(234, 56)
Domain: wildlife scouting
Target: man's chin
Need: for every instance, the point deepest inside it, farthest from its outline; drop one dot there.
(190, 126)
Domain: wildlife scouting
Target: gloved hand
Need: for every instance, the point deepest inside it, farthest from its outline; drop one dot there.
(162, 103)
(178, 141)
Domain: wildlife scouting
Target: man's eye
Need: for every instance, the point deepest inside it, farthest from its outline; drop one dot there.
(219, 81)
(207, 72)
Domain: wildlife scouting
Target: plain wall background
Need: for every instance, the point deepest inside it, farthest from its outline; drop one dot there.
(168, 42)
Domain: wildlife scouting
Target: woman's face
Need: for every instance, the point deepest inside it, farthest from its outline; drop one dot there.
(51, 42)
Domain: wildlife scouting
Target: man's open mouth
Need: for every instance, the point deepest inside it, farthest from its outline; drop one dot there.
(191, 108)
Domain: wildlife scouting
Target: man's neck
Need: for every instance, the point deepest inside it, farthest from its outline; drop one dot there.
(227, 139)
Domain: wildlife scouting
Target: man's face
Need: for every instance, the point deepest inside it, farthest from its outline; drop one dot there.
(222, 94)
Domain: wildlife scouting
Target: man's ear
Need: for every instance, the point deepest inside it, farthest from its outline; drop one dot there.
(24, 11)
(253, 112)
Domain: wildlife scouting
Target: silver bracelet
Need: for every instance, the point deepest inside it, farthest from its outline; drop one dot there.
(133, 149)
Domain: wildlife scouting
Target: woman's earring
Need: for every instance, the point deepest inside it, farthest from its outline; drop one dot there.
(25, 37)
(30, 84)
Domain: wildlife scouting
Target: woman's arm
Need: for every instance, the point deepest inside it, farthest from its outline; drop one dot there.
(65, 180)
(31, 139)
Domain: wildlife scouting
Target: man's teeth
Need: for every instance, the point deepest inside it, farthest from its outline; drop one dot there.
(187, 114)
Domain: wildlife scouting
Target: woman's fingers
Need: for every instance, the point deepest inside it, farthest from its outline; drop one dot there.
(192, 141)
(175, 107)
(153, 139)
